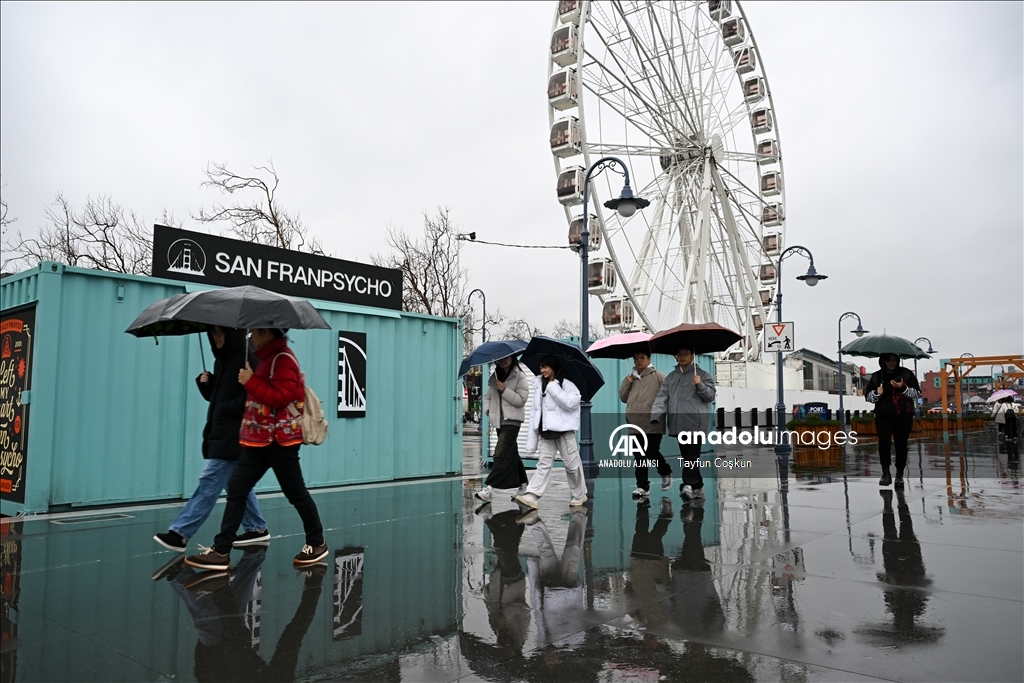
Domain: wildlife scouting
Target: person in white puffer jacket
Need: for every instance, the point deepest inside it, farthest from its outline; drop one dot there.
(554, 420)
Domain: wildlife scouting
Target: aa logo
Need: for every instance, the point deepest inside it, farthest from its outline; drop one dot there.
(628, 444)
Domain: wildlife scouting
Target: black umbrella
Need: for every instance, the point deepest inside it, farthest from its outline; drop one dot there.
(244, 307)
(873, 346)
(575, 364)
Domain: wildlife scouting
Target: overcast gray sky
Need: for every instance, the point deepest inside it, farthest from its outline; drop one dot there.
(901, 126)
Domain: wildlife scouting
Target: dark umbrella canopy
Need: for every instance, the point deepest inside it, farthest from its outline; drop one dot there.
(873, 346)
(620, 345)
(575, 364)
(244, 307)
(705, 338)
(491, 351)
(156, 320)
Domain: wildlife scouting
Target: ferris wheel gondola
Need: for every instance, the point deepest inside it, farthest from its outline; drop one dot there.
(679, 91)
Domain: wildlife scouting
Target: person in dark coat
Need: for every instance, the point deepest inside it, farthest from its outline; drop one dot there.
(220, 445)
(894, 391)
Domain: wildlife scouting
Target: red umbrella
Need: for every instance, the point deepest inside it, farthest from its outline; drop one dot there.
(620, 345)
(705, 337)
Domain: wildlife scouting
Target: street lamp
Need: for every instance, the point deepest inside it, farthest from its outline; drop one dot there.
(930, 351)
(483, 323)
(860, 332)
(963, 399)
(626, 204)
(811, 277)
(485, 427)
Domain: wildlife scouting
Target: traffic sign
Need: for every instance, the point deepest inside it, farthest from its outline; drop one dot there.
(778, 337)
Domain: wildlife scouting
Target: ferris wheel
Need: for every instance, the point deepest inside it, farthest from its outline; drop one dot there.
(678, 91)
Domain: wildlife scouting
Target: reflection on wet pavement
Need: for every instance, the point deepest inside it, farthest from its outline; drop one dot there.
(813, 574)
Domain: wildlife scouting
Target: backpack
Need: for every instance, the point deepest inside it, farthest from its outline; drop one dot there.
(312, 418)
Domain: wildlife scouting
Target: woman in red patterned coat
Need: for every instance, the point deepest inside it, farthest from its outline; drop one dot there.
(271, 435)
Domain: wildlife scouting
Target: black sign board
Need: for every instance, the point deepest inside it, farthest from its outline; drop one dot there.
(351, 374)
(16, 332)
(214, 260)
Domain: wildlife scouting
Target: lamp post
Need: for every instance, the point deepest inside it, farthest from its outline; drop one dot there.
(930, 351)
(626, 204)
(860, 332)
(483, 323)
(811, 277)
(485, 427)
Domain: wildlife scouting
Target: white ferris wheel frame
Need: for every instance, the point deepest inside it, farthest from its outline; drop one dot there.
(716, 233)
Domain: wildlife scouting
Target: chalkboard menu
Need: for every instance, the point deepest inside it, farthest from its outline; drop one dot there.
(16, 331)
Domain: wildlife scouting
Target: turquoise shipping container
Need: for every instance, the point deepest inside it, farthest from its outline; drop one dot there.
(116, 419)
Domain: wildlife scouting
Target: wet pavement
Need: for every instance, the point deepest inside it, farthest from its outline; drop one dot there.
(811, 574)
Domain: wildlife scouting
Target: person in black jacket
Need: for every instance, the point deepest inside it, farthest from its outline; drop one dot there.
(894, 391)
(220, 445)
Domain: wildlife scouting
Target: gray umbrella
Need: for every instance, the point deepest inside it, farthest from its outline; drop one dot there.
(244, 307)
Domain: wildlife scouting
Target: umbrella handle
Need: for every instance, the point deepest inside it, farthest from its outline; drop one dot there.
(202, 354)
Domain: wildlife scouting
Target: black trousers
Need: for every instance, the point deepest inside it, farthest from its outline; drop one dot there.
(251, 467)
(691, 474)
(653, 453)
(898, 430)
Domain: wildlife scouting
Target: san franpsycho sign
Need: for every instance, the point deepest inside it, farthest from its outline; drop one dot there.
(213, 260)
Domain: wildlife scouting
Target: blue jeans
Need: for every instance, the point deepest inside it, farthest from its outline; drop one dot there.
(212, 481)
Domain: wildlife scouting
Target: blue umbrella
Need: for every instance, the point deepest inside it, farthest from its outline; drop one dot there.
(575, 364)
(488, 352)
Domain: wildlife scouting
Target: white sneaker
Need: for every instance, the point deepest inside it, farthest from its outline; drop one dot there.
(666, 482)
(519, 492)
(640, 493)
(698, 494)
(529, 500)
(578, 502)
(686, 491)
(485, 494)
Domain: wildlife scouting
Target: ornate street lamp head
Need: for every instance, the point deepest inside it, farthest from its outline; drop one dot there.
(812, 277)
(627, 204)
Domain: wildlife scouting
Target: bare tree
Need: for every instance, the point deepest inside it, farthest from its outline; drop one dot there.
(433, 281)
(259, 217)
(520, 329)
(563, 328)
(104, 235)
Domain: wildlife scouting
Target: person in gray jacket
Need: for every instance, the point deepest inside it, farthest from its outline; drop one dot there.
(638, 391)
(684, 404)
(505, 406)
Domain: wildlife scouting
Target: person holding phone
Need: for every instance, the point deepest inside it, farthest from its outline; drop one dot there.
(893, 390)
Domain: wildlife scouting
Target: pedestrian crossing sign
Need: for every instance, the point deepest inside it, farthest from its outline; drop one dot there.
(779, 337)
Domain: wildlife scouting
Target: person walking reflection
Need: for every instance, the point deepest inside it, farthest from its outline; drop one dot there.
(649, 579)
(697, 605)
(556, 589)
(904, 578)
(504, 596)
(218, 604)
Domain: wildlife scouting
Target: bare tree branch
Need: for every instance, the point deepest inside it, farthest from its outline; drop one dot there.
(563, 329)
(518, 328)
(103, 235)
(259, 219)
(433, 280)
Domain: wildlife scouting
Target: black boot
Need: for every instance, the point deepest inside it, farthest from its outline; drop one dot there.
(886, 478)
(899, 479)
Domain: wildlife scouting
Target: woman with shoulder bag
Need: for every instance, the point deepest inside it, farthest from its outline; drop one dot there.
(504, 405)
(270, 437)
